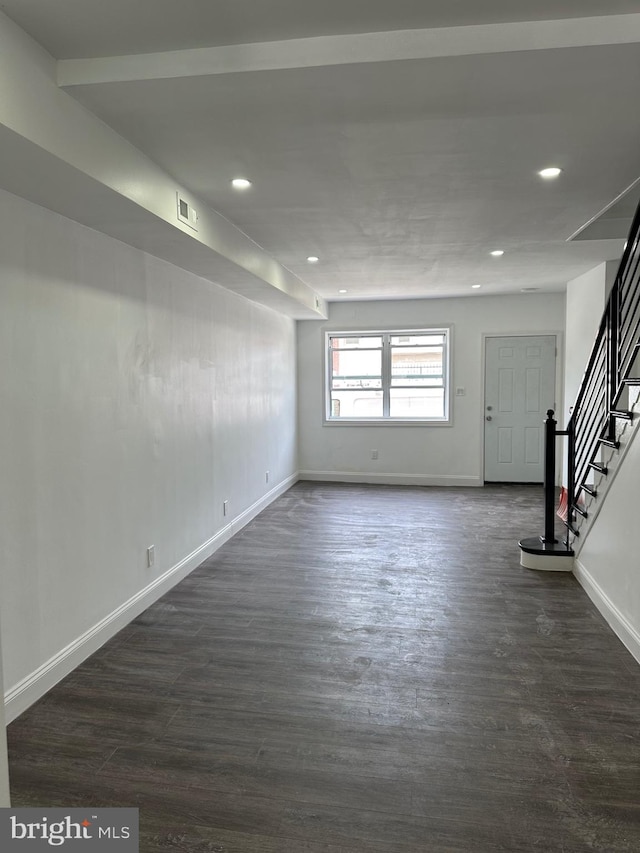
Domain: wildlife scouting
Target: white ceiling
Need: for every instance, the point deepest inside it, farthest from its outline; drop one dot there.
(399, 160)
(89, 28)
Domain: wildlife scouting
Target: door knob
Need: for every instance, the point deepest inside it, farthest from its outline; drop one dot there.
(489, 418)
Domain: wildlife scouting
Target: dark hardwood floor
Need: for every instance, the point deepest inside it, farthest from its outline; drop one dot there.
(362, 668)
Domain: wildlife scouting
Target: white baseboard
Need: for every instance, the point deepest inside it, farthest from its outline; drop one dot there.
(619, 623)
(389, 479)
(19, 697)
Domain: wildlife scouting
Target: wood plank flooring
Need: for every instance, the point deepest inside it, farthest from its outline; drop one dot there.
(362, 669)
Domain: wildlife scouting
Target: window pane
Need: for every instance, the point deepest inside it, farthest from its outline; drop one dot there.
(356, 404)
(417, 340)
(356, 342)
(356, 369)
(420, 366)
(391, 375)
(417, 403)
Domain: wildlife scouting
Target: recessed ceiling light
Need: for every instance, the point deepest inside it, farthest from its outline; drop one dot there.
(240, 184)
(342, 291)
(497, 253)
(312, 259)
(550, 172)
(476, 286)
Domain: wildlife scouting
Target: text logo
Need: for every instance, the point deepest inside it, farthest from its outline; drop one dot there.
(104, 830)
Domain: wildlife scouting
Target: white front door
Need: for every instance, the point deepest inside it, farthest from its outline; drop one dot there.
(520, 381)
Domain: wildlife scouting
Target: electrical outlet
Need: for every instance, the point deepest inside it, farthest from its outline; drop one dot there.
(374, 454)
(266, 477)
(151, 555)
(225, 507)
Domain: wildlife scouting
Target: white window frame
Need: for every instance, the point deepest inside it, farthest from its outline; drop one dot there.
(387, 334)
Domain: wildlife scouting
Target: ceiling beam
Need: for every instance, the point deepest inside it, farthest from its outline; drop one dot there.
(57, 154)
(353, 49)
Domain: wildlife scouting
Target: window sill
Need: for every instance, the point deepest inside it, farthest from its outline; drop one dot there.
(393, 422)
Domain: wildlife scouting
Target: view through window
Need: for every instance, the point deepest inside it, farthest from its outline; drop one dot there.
(387, 375)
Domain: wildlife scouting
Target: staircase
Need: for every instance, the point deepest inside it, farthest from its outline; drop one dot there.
(603, 418)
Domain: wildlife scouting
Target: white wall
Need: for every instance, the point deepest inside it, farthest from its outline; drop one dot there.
(135, 399)
(420, 454)
(586, 298)
(608, 564)
(5, 799)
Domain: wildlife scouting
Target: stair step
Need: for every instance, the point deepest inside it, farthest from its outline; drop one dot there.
(607, 442)
(634, 381)
(570, 527)
(580, 510)
(622, 414)
(589, 490)
(601, 469)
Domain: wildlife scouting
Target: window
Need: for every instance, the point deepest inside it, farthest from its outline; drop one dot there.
(388, 376)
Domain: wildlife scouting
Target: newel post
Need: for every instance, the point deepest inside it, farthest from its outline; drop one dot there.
(544, 552)
(549, 477)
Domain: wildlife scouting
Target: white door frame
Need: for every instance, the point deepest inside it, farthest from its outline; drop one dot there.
(559, 416)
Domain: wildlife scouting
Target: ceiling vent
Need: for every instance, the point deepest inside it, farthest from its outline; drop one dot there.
(186, 213)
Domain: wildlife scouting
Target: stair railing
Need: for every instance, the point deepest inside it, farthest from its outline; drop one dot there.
(612, 361)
